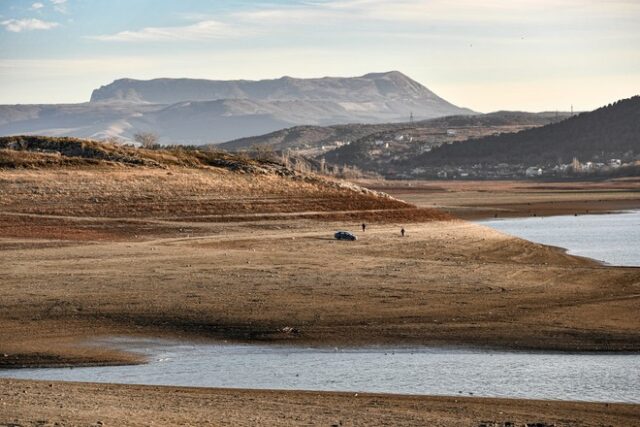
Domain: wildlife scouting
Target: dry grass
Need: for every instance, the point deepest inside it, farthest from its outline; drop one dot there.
(189, 194)
(74, 177)
(25, 151)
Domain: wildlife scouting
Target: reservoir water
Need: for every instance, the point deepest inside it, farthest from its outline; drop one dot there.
(611, 238)
(614, 239)
(434, 371)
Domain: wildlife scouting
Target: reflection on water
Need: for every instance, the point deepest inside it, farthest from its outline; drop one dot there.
(612, 238)
(435, 371)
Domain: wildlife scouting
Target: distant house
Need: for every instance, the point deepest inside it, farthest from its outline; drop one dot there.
(533, 171)
(576, 165)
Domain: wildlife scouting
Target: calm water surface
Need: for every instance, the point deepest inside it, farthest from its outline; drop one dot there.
(592, 377)
(612, 238)
(435, 371)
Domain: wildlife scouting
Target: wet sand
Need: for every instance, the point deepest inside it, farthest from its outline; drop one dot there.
(31, 403)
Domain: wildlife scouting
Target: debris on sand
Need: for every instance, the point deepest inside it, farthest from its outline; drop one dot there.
(288, 330)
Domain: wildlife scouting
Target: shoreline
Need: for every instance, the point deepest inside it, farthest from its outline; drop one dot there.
(97, 253)
(355, 393)
(77, 354)
(151, 274)
(561, 249)
(151, 351)
(472, 324)
(578, 253)
(478, 200)
(123, 356)
(29, 402)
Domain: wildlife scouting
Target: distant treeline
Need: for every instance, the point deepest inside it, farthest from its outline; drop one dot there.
(610, 131)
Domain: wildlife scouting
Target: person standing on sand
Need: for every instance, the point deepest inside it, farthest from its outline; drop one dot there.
(364, 226)
(402, 231)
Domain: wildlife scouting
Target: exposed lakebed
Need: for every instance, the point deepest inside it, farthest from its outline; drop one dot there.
(613, 238)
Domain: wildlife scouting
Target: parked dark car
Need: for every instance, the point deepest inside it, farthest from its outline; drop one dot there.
(345, 235)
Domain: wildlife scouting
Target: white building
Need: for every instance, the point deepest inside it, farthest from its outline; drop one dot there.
(533, 172)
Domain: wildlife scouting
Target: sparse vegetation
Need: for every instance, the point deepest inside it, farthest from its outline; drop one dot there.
(42, 151)
(174, 182)
(146, 139)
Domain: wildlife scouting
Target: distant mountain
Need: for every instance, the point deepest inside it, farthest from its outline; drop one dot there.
(190, 111)
(612, 131)
(373, 97)
(85, 120)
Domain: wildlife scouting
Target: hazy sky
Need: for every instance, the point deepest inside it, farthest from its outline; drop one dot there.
(483, 54)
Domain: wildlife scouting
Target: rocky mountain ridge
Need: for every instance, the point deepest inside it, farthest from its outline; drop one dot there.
(192, 111)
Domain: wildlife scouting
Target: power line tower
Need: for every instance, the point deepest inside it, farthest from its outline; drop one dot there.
(411, 118)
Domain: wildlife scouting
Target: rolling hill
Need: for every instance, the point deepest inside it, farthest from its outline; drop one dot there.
(71, 176)
(351, 138)
(308, 137)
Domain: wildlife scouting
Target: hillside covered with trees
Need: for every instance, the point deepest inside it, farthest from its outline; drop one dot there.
(612, 131)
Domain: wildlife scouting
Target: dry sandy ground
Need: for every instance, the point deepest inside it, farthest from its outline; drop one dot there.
(445, 282)
(28, 403)
(489, 199)
(105, 268)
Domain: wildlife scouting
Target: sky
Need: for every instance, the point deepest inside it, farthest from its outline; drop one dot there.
(488, 55)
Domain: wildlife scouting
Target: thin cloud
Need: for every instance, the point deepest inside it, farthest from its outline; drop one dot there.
(423, 11)
(36, 6)
(19, 25)
(400, 18)
(59, 5)
(203, 30)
